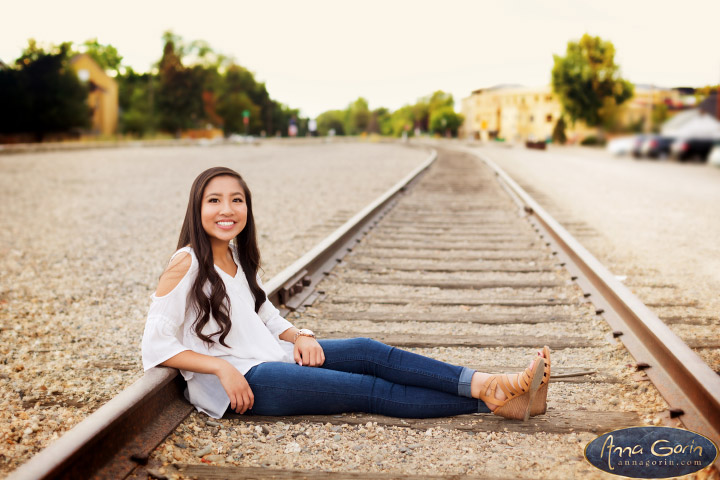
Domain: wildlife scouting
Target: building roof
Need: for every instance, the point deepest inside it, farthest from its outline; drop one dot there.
(501, 86)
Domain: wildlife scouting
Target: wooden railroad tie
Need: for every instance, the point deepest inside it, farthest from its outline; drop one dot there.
(445, 317)
(468, 301)
(414, 340)
(552, 422)
(452, 284)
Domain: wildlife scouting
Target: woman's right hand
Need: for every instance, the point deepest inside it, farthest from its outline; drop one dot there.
(237, 388)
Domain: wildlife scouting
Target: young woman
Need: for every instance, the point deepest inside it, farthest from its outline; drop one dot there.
(211, 319)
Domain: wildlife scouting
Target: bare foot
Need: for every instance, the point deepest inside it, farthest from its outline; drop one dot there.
(481, 380)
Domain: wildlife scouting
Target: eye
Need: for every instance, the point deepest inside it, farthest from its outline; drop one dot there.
(212, 200)
(238, 200)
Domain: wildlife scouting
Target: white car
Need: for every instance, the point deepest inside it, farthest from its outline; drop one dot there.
(714, 155)
(620, 145)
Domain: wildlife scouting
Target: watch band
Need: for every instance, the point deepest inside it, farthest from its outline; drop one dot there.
(303, 332)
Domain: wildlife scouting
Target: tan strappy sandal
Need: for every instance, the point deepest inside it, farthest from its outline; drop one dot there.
(539, 406)
(520, 395)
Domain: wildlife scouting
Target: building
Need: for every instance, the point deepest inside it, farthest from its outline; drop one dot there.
(103, 96)
(639, 113)
(516, 113)
(512, 113)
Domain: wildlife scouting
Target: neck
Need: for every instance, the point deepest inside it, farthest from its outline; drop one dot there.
(219, 250)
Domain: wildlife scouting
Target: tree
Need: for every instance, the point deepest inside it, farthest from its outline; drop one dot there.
(444, 119)
(659, 116)
(179, 98)
(558, 133)
(380, 121)
(587, 81)
(402, 120)
(238, 91)
(106, 56)
(136, 100)
(357, 117)
(331, 120)
(42, 94)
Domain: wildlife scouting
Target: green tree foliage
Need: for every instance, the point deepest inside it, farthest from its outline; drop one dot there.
(106, 56)
(180, 89)
(659, 115)
(197, 86)
(444, 120)
(331, 120)
(587, 81)
(357, 117)
(402, 120)
(558, 133)
(238, 92)
(42, 93)
(136, 98)
(380, 121)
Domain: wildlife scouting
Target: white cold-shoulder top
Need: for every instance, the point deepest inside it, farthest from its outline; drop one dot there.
(253, 338)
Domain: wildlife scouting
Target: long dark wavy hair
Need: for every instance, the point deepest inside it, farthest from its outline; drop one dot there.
(245, 248)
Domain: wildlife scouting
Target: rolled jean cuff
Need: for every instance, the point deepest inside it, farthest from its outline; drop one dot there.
(464, 382)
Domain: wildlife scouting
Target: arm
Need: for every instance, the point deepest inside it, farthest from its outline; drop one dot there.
(162, 338)
(236, 387)
(307, 350)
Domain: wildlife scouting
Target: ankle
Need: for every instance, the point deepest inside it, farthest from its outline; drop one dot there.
(477, 384)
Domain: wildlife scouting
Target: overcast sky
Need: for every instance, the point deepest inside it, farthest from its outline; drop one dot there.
(321, 55)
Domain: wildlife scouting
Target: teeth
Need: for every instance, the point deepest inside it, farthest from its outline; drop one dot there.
(225, 224)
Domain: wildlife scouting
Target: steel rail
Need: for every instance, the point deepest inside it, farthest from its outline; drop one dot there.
(295, 285)
(120, 435)
(689, 386)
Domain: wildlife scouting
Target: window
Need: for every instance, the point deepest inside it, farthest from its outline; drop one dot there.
(548, 118)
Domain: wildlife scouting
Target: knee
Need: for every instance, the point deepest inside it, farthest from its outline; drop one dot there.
(369, 345)
(366, 343)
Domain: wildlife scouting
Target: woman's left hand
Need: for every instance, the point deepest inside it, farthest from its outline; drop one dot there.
(308, 352)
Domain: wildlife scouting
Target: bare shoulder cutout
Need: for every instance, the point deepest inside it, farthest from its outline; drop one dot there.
(175, 271)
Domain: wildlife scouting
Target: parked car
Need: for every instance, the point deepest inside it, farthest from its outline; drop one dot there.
(657, 146)
(621, 145)
(687, 148)
(636, 149)
(714, 155)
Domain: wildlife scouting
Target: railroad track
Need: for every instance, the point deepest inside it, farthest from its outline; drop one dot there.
(446, 267)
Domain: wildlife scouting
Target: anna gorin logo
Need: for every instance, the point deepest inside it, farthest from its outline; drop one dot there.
(651, 452)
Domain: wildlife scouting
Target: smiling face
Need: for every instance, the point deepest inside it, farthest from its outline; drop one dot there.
(223, 210)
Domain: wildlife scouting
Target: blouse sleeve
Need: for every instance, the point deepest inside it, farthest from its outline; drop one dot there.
(163, 334)
(271, 316)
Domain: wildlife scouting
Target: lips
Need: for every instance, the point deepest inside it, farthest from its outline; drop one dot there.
(225, 224)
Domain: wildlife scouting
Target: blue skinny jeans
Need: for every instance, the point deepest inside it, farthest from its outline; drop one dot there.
(364, 375)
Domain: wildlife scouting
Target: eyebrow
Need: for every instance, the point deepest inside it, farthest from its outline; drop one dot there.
(220, 194)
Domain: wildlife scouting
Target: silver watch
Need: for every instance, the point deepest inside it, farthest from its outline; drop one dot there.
(304, 332)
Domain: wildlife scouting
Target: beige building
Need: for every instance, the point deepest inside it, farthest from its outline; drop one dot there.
(646, 99)
(103, 96)
(515, 113)
(510, 112)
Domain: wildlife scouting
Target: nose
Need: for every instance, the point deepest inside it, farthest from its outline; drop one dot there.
(226, 208)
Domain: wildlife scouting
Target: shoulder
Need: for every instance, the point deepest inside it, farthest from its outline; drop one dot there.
(177, 269)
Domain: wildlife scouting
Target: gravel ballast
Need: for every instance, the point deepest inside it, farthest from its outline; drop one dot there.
(654, 224)
(84, 236)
